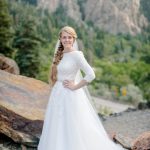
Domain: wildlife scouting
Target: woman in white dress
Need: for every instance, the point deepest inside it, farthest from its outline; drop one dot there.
(70, 121)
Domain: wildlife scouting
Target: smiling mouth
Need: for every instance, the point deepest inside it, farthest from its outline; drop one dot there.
(67, 43)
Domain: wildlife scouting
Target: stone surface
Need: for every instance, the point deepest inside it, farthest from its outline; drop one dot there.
(128, 125)
(142, 142)
(18, 128)
(25, 96)
(8, 65)
(114, 16)
(72, 8)
(23, 103)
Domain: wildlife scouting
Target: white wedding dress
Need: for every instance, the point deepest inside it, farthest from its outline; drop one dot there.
(70, 121)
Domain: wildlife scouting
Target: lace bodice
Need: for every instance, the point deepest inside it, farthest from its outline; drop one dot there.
(71, 63)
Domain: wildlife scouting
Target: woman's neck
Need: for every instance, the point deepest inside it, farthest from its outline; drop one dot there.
(68, 50)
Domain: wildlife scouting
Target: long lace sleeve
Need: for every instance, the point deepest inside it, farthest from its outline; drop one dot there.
(85, 67)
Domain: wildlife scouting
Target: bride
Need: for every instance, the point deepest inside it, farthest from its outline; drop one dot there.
(71, 122)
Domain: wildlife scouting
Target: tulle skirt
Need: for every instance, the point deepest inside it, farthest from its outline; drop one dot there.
(71, 123)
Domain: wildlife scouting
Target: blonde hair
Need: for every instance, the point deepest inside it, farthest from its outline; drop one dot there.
(69, 30)
(59, 54)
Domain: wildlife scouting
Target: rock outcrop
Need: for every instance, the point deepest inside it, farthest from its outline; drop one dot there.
(8, 65)
(19, 129)
(114, 16)
(23, 102)
(71, 7)
(142, 142)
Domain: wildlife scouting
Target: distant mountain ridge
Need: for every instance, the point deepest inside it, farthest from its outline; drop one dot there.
(114, 16)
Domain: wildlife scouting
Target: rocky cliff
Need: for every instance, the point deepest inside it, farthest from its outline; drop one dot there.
(114, 16)
(71, 6)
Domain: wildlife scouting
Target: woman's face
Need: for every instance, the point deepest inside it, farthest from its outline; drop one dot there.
(67, 40)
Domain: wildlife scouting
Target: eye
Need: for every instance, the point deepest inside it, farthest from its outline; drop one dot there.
(67, 37)
(64, 37)
(70, 37)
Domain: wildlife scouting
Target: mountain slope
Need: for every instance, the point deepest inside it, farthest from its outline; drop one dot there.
(114, 16)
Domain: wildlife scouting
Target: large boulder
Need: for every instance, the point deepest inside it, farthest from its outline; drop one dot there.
(23, 102)
(18, 128)
(142, 142)
(8, 65)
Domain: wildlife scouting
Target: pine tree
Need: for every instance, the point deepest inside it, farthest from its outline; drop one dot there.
(5, 29)
(28, 44)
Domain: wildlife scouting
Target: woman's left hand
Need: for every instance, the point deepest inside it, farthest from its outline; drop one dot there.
(69, 84)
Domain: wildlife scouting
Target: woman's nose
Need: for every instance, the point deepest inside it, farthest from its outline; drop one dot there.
(67, 39)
